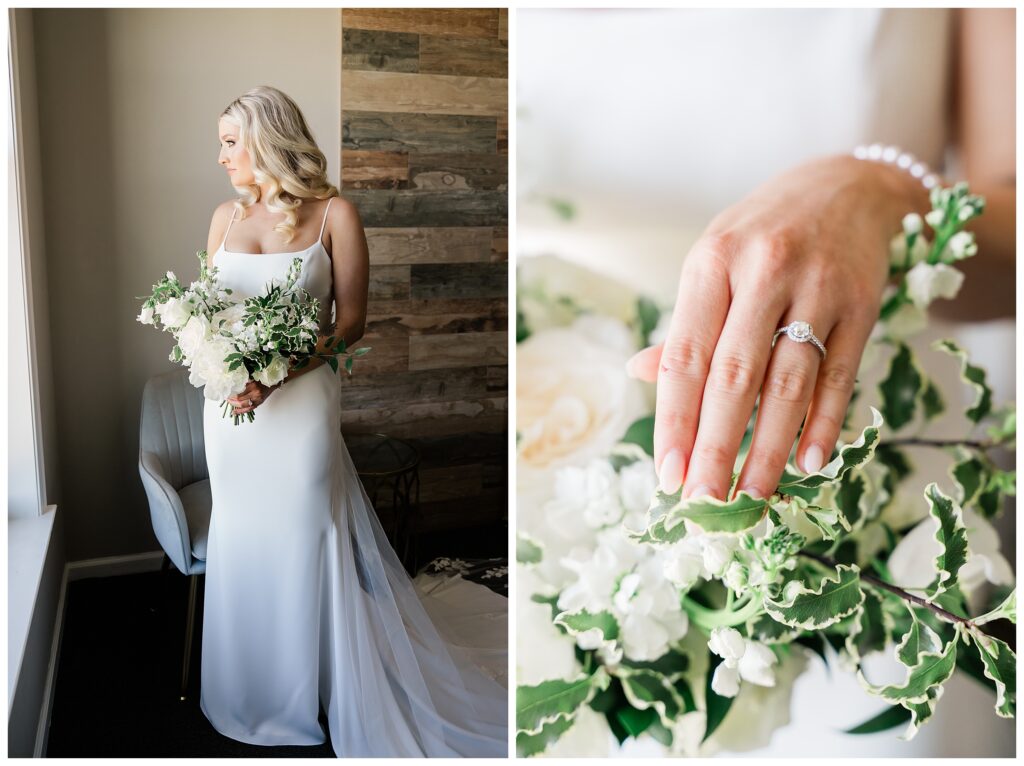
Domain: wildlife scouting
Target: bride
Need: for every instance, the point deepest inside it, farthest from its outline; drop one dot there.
(306, 604)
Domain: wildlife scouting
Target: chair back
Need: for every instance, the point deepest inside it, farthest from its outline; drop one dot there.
(172, 427)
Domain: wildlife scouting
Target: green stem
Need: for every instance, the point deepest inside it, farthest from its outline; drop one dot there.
(709, 619)
(914, 441)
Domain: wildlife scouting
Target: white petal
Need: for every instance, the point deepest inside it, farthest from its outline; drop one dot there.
(726, 681)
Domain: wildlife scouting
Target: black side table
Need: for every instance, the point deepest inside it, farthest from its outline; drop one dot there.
(389, 469)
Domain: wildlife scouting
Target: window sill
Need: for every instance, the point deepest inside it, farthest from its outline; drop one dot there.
(28, 540)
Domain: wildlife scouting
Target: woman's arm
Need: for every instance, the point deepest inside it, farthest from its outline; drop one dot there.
(984, 120)
(350, 262)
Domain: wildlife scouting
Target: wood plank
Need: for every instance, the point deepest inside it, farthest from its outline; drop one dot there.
(453, 22)
(373, 390)
(433, 244)
(497, 378)
(457, 350)
(503, 24)
(379, 51)
(471, 57)
(427, 207)
(389, 282)
(458, 171)
(407, 420)
(417, 317)
(413, 132)
(374, 170)
(424, 93)
(470, 447)
(387, 354)
(459, 280)
(499, 244)
(501, 135)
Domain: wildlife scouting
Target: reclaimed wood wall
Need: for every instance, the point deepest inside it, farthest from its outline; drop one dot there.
(424, 95)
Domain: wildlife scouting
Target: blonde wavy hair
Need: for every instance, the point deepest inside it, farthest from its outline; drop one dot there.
(283, 154)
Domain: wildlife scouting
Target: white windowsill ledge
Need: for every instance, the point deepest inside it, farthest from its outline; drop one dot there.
(28, 540)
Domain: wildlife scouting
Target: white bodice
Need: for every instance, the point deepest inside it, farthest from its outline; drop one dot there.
(248, 274)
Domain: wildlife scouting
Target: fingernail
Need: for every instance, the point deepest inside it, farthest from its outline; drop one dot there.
(631, 364)
(701, 491)
(671, 474)
(753, 491)
(814, 458)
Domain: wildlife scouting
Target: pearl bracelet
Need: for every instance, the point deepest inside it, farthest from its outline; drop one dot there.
(892, 155)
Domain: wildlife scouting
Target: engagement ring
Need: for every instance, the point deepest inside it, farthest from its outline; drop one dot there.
(801, 333)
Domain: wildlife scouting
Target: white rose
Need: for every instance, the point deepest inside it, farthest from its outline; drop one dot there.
(926, 282)
(274, 372)
(146, 315)
(193, 334)
(174, 312)
(544, 276)
(574, 399)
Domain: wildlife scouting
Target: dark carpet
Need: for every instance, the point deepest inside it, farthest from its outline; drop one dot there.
(120, 660)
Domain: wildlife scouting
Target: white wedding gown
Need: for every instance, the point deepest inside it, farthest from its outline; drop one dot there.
(306, 603)
(695, 109)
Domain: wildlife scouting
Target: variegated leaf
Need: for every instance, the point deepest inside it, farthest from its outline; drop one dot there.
(901, 388)
(645, 689)
(1005, 611)
(975, 376)
(549, 701)
(834, 599)
(933, 669)
(850, 456)
(951, 535)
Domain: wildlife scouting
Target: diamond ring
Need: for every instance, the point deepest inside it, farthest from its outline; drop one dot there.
(801, 333)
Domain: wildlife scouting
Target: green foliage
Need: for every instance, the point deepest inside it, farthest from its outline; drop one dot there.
(850, 456)
(547, 702)
(814, 609)
(901, 387)
(975, 376)
(951, 535)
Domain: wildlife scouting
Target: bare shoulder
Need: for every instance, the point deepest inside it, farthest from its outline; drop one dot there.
(342, 214)
(218, 226)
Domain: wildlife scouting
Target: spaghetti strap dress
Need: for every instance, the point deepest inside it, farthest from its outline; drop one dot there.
(307, 604)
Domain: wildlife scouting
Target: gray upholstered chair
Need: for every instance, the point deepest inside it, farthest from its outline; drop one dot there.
(172, 463)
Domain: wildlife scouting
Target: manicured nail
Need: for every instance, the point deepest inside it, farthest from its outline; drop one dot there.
(814, 459)
(753, 491)
(631, 364)
(701, 491)
(671, 474)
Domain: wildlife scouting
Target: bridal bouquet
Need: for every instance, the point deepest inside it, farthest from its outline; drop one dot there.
(687, 621)
(225, 343)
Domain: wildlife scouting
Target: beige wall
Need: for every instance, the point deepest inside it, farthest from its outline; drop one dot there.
(128, 106)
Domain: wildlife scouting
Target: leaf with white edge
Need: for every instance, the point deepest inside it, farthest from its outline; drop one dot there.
(931, 401)
(975, 376)
(549, 701)
(528, 551)
(921, 712)
(870, 629)
(951, 535)
(1001, 667)
(970, 476)
(1005, 611)
(850, 456)
(528, 745)
(835, 599)
(713, 515)
(916, 641)
(645, 689)
(583, 621)
(901, 388)
(831, 521)
(641, 433)
(933, 669)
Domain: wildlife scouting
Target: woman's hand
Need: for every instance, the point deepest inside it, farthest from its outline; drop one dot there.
(811, 245)
(254, 394)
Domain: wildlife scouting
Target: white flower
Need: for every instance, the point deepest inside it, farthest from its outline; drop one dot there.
(905, 321)
(274, 372)
(229, 318)
(193, 334)
(684, 562)
(174, 312)
(926, 282)
(741, 658)
(209, 369)
(898, 250)
(170, 275)
(935, 217)
(912, 223)
(146, 315)
(961, 245)
(735, 576)
(574, 400)
(966, 212)
(544, 277)
(637, 483)
(912, 562)
(718, 553)
(544, 651)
